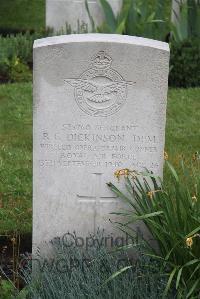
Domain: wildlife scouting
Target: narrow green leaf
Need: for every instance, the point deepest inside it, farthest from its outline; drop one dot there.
(193, 288)
(117, 274)
(90, 16)
(169, 281)
(124, 248)
(172, 249)
(120, 194)
(196, 230)
(178, 277)
(195, 270)
(109, 15)
(192, 262)
(173, 171)
(120, 28)
(142, 217)
(155, 256)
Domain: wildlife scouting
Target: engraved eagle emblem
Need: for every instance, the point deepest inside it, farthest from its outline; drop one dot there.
(100, 90)
(98, 93)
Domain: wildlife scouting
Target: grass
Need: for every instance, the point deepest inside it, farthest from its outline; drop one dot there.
(182, 137)
(22, 14)
(15, 157)
(182, 131)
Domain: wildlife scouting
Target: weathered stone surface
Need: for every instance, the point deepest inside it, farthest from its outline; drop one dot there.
(176, 7)
(99, 106)
(60, 12)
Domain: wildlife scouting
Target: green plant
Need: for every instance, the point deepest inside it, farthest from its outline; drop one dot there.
(16, 57)
(185, 61)
(171, 212)
(147, 19)
(19, 46)
(9, 291)
(188, 24)
(140, 18)
(67, 29)
(18, 71)
(16, 158)
(74, 272)
(182, 138)
(21, 15)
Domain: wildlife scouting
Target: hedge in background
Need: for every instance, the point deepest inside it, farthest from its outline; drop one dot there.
(185, 64)
(16, 60)
(16, 57)
(21, 15)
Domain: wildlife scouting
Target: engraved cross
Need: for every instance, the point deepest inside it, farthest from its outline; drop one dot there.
(96, 198)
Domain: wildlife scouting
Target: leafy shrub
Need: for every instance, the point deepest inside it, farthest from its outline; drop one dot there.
(185, 62)
(188, 22)
(18, 71)
(16, 57)
(140, 18)
(88, 274)
(172, 215)
(19, 46)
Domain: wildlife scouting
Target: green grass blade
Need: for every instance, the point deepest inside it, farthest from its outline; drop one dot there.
(120, 194)
(178, 277)
(109, 15)
(193, 288)
(121, 27)
(192, 262)
(142, 217)
(195, 270)
(117, 274)
(90, 16)
(173, 171)
(169, 282)
(196, 230)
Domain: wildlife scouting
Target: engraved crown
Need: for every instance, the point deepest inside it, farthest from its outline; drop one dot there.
(102, 60)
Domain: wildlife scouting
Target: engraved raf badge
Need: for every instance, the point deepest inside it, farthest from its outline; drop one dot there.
(100, 90)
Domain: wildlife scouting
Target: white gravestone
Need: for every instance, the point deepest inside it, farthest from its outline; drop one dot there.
(176, 10)
(99, 106)
(60, 12)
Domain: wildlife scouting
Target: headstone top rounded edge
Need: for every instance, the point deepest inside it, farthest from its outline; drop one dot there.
(99, 37)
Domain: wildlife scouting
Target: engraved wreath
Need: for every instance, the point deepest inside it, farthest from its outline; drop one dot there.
(100, 91)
